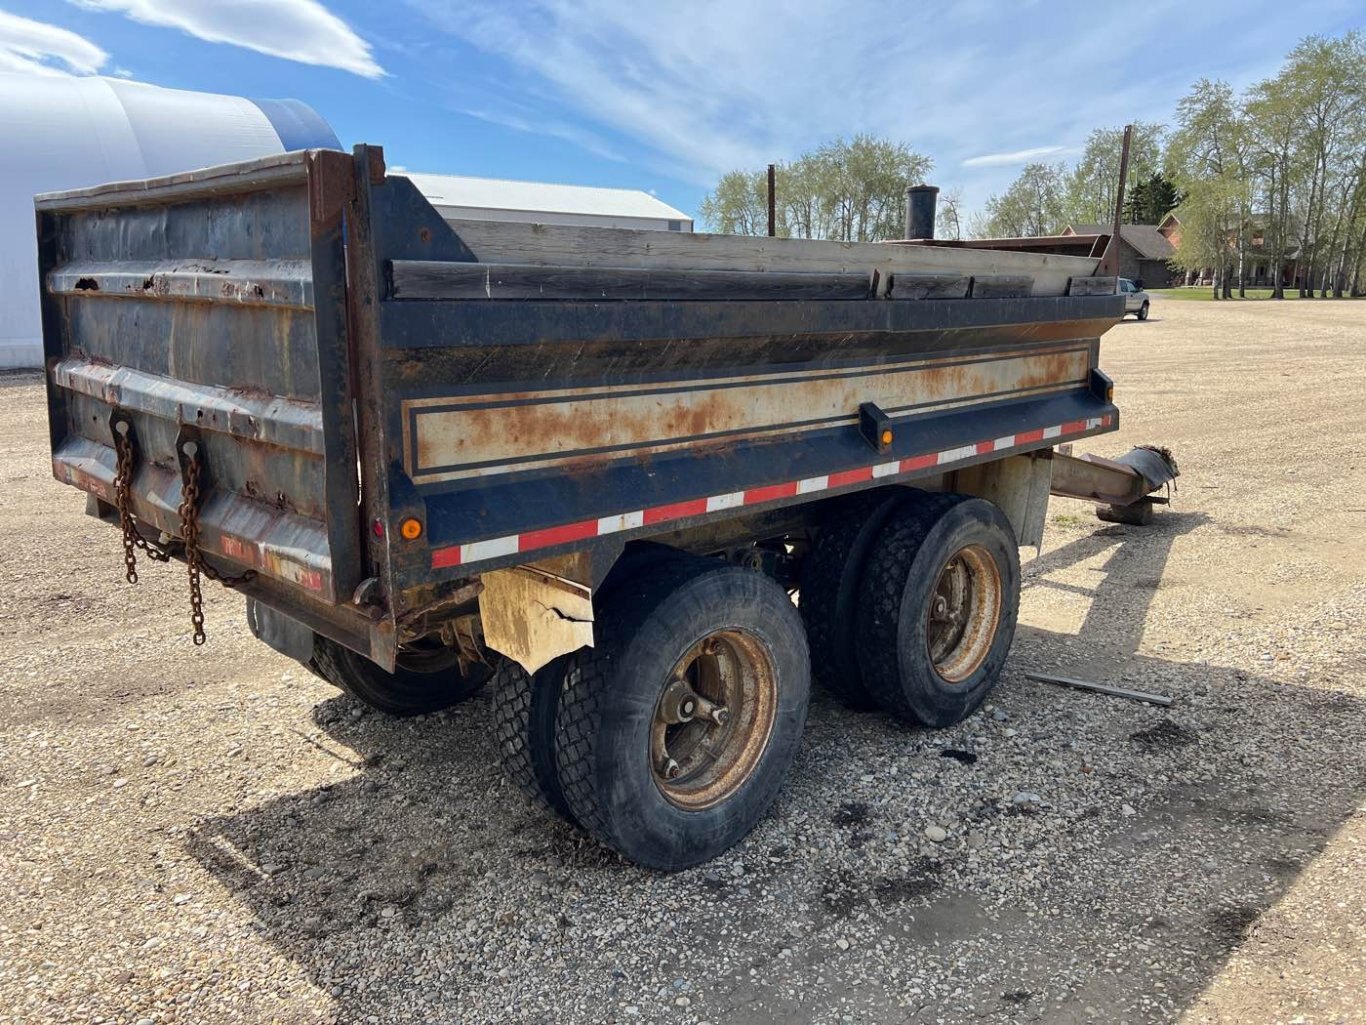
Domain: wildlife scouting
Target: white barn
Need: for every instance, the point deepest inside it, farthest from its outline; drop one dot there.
(65, 133)
(494, 199)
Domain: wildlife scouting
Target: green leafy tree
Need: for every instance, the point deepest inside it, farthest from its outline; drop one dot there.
(853, 191)
(1032, 205)
(1207, 158)
(738, 205)
(1089, 195)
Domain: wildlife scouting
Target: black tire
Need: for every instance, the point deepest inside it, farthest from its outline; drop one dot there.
(934, 538)
(524, 707)
(829, 595)
(649, 624)
(1143, 312)
(426, 679)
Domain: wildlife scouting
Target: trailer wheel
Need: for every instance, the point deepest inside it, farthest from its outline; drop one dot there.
(938, 607)
(676, 730)
(426, 679)
(829, 596)
(524, 706)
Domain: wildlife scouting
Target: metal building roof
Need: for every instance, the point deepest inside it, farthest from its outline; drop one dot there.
(449, 190)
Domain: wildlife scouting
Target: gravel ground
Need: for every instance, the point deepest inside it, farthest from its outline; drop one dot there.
(213, 835)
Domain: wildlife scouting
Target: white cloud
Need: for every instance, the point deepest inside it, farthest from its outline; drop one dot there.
(1017, 157)
(695, 89)
(585, 140)
(711, 85)
(36, 48)
(297, 30)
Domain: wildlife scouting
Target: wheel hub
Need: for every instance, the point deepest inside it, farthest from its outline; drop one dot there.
(713, 719)
(963, 613)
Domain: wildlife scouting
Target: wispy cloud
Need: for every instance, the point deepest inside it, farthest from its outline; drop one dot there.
(704, 87)
(1019, 156)
(585, 140)
(712, 85)
(37, 48)
(296, 30)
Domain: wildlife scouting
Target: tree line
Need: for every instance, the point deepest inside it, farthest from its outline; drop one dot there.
(1277, 173)
(854, 191)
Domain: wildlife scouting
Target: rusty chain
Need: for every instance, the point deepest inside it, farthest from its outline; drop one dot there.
(123, 482)
(189, 519)
(195, 565)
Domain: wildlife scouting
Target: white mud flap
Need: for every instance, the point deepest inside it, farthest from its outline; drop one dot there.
(533, 617)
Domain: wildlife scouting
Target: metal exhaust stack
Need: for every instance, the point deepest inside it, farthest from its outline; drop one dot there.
(921, 201)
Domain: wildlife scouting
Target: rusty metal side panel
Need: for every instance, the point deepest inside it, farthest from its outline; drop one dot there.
(514, 431)
(458, 437)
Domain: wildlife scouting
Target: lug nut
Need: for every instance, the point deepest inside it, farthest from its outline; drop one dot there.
(671, 769)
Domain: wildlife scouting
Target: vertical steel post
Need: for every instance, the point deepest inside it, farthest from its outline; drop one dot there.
(772, 200)
(1109, 264)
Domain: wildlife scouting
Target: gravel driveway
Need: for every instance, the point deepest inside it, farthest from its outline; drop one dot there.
(213, 835)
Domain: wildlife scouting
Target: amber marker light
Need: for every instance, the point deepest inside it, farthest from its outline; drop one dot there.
(411, 529)
(886, 437)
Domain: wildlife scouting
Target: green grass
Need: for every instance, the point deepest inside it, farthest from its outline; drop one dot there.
(1203, 293)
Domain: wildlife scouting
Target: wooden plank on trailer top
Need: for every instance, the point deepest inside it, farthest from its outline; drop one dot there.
(930, 286)
(429, 279)
(1093, 286)
(1002, 286)
(573, 246)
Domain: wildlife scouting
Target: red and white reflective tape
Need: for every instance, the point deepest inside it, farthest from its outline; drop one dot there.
(513, 544)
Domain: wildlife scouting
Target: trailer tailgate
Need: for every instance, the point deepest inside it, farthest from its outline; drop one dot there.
(209, 308)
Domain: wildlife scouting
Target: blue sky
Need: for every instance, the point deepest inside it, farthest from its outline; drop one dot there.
(666, 96)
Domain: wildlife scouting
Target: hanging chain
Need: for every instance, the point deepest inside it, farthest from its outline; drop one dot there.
(189, 519)
(195, 565)
(189, 528)
(123, 482)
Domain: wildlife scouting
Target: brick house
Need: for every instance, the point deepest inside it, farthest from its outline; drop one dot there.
(1257, 259)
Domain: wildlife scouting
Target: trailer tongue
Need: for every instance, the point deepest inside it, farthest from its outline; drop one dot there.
(432, 452)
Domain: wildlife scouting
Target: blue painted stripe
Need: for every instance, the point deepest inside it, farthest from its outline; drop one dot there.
(298, 125)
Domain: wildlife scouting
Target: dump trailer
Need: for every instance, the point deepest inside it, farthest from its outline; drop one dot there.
(589, 466)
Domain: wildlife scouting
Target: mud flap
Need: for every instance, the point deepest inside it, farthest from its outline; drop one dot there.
(283, 633)
(533, 617)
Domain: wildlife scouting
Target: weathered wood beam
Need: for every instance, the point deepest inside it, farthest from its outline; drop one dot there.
(425, 279)
(506, 242)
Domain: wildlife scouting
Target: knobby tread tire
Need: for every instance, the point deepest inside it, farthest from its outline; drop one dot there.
(610, 692)
(884, 586)
(829, 594)
(629, 603)
(524, 706)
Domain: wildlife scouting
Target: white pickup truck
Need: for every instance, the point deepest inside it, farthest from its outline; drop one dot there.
(1135, 299)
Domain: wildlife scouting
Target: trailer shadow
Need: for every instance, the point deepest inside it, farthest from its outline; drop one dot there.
(1158, 838)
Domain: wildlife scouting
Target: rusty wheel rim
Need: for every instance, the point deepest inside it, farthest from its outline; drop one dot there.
(963, 613)
(713, 719)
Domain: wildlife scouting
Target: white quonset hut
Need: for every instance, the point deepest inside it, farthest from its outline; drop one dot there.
(65, 133)
(494, 199)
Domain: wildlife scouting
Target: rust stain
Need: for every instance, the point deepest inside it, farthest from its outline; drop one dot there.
(563, 426)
